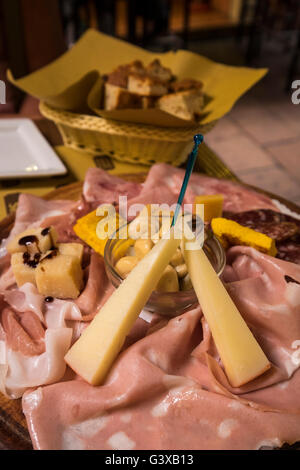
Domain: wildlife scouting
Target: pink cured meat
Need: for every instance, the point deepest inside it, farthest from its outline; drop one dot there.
(33, 210)
(167, 386)
(163, 184)
(6, 275)
(101, 187)
(97, 288)
(25, 334)
(172, 380)
(236, 197)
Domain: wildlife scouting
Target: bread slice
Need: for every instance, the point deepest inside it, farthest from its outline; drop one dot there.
(156, 70)
(146, 86)
(186, 84)
(119, 76)
(137, 67)
(116, 97)
(149, 102)
(183, 104)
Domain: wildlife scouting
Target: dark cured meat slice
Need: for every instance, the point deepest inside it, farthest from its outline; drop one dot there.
(251, 218)
(289, 250)
(285, 229)
(278, 231)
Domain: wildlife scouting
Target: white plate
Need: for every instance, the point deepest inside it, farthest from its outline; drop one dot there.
(25, 153)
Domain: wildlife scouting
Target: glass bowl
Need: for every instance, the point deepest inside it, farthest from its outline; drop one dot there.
(170, 304)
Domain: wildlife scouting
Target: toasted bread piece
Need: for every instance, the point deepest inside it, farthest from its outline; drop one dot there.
(119, 76)
(149, 102)
(137, 67)
(146, 86)
(156, 70)
(186, 84)
(184, 104)
(116, 97)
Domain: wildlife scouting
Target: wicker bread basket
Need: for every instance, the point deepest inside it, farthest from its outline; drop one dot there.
(127, 142)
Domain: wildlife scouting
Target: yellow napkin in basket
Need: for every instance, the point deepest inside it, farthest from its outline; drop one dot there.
(70, 82)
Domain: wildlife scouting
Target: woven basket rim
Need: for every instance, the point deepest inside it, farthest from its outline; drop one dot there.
(96, 123)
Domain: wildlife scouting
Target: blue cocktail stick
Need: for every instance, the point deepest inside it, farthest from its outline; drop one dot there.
(198, 139)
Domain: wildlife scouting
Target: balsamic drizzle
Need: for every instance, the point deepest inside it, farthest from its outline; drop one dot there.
(35, 259)
(290, 279)
(32, 262)
(50, 255)
(45, 231)
(28, 240)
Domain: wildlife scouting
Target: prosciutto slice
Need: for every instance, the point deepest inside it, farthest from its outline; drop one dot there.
(100, 187)
(97, 288)
(163, 184)
(34, 339)
(168, 390)
(236, 197)
(32, 210)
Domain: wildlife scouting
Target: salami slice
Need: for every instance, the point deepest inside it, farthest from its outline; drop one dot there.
(253, 217)
(289, 250)
(278, 231)
(283, 228)
(248, 218)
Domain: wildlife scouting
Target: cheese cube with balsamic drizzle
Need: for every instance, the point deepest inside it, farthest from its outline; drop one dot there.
(55, 269)
(23, 268)
(33, 240)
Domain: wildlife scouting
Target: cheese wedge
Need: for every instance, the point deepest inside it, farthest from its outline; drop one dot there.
(241, 355)
(213, 205)
(95, 351)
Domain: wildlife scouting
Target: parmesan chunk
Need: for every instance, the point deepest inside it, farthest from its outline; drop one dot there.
(94, 352)
(213, 205)
(23, 272)
(59, 276)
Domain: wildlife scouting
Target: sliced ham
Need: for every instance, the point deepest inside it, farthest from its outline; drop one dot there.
(24, 334)
(26, 298)
(173, 379)
(236, 197)
(29, 355)
(97, 288)
(32, 210)
(150, 389)
(19, 372)
(34, 337)
(169, 375)
(101, 187)
(7, 278)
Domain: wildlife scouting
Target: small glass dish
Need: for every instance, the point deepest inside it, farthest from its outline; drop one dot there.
(170, 304)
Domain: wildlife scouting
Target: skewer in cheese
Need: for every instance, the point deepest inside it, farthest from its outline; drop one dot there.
(94, 352)
(241, 355)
